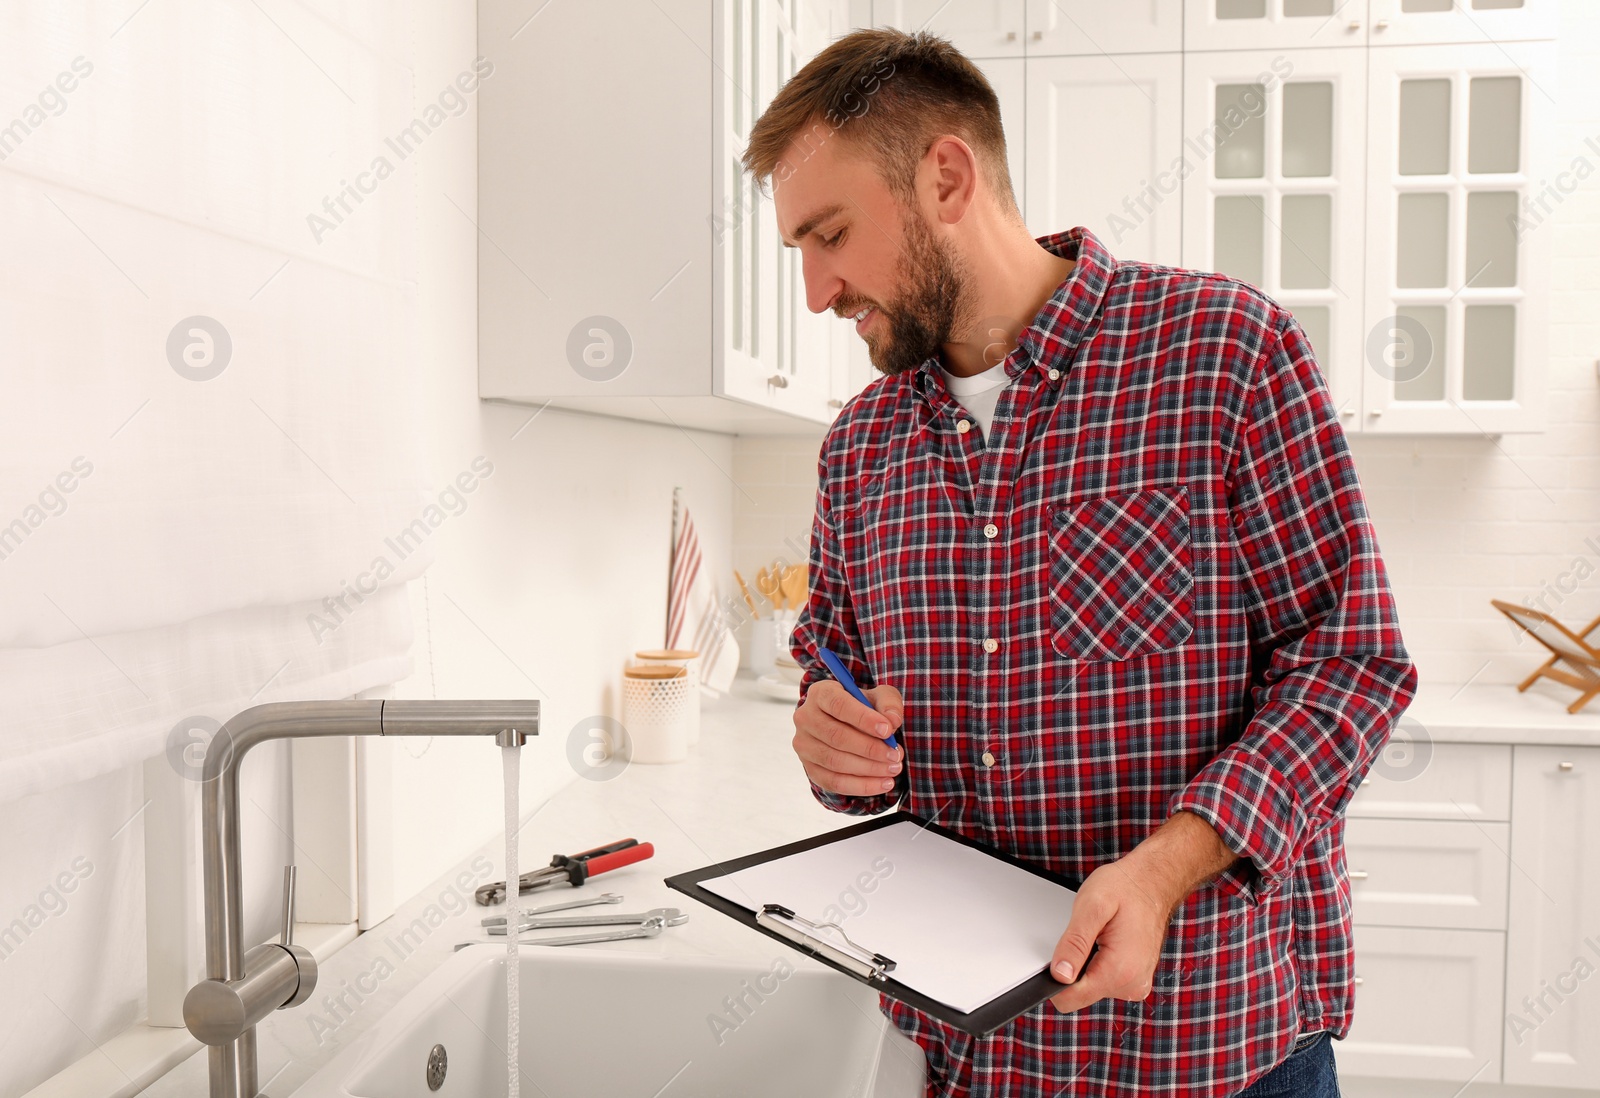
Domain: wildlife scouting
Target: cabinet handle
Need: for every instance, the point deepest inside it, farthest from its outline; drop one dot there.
(1375, 413)
(1366, 781)
(835, 402)
(1038, 35)
(1564, 765)
(778, 381)
(1011, 36)
(1356, 25)
(1358, 981)
(1382, 24)
(1358, 874)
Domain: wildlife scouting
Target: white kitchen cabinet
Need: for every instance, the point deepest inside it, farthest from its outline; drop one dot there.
(1041, 28)
(627, 265)
(1426, 1005)
(1552, 999)
(1455, 285)
(978, 28)
(1276, 192)
(780, 352)
(1436, 781)
(1273, 24)
(1428, 873)
(1093, 28)
(1133, 104)
(1415, 22)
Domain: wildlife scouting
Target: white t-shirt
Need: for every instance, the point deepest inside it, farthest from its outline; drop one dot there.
(979, 393)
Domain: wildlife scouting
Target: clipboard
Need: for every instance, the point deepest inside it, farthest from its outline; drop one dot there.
(848, 952)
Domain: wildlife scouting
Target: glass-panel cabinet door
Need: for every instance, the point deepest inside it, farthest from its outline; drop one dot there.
(1273, 24)
(1455, 294)
(1060, 28)
(1132, 104)
(978, 28)
(739, 95)
(1413, 22)
(758, 286)
(1274, 194)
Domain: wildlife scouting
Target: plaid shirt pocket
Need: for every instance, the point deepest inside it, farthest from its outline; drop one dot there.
(1121, 575)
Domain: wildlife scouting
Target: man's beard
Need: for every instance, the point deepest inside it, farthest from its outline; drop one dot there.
(932, 307)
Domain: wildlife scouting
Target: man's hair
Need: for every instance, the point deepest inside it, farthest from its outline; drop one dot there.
(886, 94)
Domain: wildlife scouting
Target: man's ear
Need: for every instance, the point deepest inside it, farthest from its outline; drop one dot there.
(953, 175)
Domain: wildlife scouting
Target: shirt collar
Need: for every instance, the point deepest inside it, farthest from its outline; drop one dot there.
(1064, 321)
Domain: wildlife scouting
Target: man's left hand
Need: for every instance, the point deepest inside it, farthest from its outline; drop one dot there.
(1126, 905)
(1127, 912)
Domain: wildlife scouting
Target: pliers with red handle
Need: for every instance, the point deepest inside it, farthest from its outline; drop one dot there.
(572, 868)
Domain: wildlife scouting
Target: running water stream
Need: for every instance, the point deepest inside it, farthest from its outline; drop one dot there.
(510, 758)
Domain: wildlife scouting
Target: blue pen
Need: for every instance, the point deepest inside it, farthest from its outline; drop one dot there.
(838, 670)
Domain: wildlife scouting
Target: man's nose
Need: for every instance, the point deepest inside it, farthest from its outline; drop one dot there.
(822, 285)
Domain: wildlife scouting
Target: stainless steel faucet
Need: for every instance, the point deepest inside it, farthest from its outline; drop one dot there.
(242, 988)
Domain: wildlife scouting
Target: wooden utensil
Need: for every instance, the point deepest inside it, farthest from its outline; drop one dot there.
(745, 591)
(767, 584)
(794, 586)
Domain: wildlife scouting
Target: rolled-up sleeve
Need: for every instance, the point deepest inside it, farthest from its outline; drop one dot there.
(1332, 673)
(827, 621)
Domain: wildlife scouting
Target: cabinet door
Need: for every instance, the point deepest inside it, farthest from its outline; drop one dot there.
(978, 28)
(1428, 873)
(1059, 28)
(1273, 24)
(1427, 1005)
(738, 223)
(1447, 781)
(1132, 104)
(1412, 22)
(1455, 261)
(767, 336)
(1275, 193)
(1552, 1004)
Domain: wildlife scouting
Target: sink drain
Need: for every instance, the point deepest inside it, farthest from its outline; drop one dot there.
(438, 1063)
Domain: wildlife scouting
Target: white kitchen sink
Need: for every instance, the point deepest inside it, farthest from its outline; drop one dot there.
(604, 1023)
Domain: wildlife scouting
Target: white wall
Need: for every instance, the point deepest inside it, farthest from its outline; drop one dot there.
(555, 570)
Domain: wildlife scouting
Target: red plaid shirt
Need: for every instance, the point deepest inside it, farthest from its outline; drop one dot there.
(1154, 587)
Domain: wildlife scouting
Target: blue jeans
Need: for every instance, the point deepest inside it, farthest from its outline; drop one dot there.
(1307, 1073)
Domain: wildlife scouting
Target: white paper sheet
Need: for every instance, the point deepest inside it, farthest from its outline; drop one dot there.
(962, 927)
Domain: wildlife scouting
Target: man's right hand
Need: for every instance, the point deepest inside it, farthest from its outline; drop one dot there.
(840, 741)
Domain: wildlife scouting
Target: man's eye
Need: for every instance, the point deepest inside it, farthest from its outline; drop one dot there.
(833, 240)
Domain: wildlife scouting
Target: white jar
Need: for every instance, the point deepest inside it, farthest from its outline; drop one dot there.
(657, 702)
(689, 660)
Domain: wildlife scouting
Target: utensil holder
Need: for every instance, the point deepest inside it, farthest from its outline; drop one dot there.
(689, 660)
(657, 701)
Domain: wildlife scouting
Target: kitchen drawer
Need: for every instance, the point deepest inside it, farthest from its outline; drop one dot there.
(1427, 1005)
(1428, 873)
(1441, 781)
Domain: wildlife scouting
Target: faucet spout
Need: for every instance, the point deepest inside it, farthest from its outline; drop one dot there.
(241, 988)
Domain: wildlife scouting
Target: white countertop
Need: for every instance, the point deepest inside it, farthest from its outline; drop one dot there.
(1496, 713)
(741, 790)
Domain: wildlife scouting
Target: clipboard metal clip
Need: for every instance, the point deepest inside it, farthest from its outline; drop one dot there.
(803, 932)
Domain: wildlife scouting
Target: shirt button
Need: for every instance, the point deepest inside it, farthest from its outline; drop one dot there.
(991, 645)
(991, 531)
(962, 427)
(1055, 375)
(988, 758)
